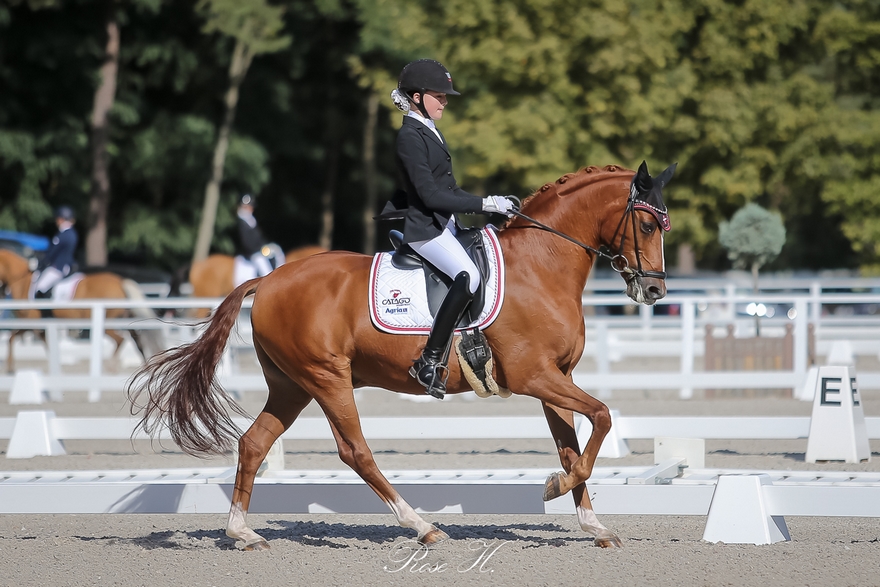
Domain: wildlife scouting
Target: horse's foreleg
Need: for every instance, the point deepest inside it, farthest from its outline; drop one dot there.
(354, 452)
(564, 434)
(10, 356)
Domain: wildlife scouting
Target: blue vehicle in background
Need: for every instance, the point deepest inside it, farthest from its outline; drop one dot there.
(29, 246)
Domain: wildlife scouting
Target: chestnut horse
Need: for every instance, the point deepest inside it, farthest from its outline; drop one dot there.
(15, 278)
(314, 339)
(213, 277)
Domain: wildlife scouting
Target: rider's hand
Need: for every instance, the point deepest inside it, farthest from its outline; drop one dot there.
(498, 204)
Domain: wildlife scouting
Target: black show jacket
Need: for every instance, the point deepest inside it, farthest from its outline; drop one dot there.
(432, 195)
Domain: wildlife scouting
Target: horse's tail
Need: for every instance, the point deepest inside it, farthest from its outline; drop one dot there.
(182, 391)
(151, 341)
(134, 292)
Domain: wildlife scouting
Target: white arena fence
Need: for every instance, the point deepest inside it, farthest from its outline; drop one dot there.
(741, 506)
(846, 326)
(41, 433)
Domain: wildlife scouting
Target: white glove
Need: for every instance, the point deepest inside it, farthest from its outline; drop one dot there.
(498, 204)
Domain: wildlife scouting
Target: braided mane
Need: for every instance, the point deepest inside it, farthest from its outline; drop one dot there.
(572, 182)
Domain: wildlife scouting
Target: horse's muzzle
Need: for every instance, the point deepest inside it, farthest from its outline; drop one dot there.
(646, 290)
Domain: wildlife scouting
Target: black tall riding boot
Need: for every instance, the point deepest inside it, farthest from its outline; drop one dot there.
(430, 369)
(44, 295)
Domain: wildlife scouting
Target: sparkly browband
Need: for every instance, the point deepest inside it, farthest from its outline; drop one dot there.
(662, 215)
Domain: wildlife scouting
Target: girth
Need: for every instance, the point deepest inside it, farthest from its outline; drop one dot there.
(437, 283)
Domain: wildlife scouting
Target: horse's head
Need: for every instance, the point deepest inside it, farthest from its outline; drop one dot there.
(637, 242)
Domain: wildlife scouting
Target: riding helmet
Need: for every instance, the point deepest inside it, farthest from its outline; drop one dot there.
(425, 74)
(65, 213)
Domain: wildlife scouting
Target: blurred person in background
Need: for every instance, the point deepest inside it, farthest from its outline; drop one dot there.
(251, 241)
(58, 262)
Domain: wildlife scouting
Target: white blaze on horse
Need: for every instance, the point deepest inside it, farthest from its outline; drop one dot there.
(315, 340)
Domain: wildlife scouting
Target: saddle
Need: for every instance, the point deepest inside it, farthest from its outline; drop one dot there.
(437, 283)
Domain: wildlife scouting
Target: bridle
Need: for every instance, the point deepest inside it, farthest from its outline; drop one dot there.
(618, 261)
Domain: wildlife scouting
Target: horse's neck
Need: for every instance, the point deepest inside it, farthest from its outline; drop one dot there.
(579, 216)
(18, 278)
(548, 259)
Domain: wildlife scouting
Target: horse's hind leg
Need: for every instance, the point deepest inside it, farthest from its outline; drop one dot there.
(286, 401)
(118, 339)
(564, 434)
(341, 412)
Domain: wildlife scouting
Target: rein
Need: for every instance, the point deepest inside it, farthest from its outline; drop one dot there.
(618, 262)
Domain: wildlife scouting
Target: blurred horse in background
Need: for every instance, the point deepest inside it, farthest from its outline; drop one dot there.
(16, 276)
(214, 277)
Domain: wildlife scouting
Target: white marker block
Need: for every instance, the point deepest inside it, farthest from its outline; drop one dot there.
(693, 450)
(738, 513)
(808, 391)
(837, 427)
(27, 387)
(613, 447)
(275, 458)
(33, 436)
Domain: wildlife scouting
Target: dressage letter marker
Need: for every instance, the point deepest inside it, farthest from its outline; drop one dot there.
(837, 428)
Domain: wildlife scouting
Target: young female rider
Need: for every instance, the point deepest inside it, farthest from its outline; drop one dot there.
(432, 199)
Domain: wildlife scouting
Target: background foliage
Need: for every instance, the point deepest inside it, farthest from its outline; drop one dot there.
(772, 102)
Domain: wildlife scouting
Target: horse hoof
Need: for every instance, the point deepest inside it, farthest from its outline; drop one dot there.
(256, 544)
(608, 540)
(552, 488)
(433, 537)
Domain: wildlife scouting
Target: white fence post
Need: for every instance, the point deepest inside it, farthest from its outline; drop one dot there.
(688, 311)
(53, 350)
(603, 361)
(815, 304)
(97, 347)
(646, 313)
(801, 342)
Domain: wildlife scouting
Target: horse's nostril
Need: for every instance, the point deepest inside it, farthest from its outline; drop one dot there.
(656, 292)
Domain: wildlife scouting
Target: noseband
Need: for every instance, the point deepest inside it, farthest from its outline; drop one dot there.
(618, 261)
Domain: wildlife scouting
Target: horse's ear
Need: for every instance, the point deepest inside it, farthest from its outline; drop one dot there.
(666, 176)
(643, 180)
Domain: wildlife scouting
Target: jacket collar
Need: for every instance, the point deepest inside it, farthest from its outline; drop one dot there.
(422, 128)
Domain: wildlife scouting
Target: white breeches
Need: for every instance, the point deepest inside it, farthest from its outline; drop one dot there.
(264, 267)
(446, 254)
(47, 279)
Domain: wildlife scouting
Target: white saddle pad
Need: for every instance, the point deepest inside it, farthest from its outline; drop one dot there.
(65, 289)
(242, 270)
(398, 298)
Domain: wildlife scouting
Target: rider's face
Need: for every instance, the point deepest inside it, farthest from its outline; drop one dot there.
(435, 102)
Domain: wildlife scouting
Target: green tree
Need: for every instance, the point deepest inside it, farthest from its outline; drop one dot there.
(256, 27)
(752, 238)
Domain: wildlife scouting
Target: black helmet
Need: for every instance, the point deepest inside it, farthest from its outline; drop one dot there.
(246, 200)
(65, 213)
(425, 74)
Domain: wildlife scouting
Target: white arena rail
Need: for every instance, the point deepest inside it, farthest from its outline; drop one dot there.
(742, 506)
(36, 433)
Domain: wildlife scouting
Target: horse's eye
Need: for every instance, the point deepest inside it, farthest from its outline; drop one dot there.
(648, 227)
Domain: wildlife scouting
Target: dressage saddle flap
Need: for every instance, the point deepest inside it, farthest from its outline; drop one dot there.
(437, 283)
